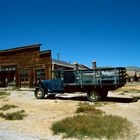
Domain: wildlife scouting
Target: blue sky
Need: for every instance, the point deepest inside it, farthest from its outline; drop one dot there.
(107, 31)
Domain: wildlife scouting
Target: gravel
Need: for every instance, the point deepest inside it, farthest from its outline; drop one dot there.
(11, 135)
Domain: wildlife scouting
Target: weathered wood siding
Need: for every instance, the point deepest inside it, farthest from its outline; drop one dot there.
(29, 58)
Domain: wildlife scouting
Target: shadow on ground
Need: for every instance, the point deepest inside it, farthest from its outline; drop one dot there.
(107, 99)
(122, 100)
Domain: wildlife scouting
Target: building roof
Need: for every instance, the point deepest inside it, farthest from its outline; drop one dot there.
(44, 53)
(62, 63)
(66, 64)
(83, 67)
(29, 47)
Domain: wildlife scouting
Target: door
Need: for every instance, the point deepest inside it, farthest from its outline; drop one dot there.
(24, 78)
(57, 81)
(57, 84)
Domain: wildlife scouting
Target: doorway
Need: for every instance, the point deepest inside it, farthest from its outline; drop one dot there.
(7, 76)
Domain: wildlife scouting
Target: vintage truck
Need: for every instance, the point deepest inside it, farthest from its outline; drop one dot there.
(95, 82)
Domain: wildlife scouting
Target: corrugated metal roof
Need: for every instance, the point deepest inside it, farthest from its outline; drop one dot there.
(66, 64)
(83, 67)
(62, 63)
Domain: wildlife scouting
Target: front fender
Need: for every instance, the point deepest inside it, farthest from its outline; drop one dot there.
(46, 85)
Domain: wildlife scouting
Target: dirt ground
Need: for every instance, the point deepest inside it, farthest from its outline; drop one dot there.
(42, 113)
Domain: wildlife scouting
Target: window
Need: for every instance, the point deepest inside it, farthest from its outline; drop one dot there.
(40, 74)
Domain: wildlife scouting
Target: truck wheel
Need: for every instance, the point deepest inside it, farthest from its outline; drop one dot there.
(103, 94)
(39, 93)
(93, 96)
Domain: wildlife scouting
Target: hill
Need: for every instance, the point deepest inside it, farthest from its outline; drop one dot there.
(133, 68)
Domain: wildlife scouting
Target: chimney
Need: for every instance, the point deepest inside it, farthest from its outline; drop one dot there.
(94, 64)
(75, 65)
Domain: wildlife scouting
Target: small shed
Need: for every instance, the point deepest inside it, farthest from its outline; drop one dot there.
(131, 75)
(138, 76)
(58, 64)
(83, 67)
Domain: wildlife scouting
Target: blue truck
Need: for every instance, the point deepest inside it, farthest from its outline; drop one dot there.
(95, 82)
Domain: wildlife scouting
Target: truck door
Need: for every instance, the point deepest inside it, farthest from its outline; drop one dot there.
(57, 84)
(57, 81)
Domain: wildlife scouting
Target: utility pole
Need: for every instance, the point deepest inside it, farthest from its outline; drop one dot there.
(58, 56)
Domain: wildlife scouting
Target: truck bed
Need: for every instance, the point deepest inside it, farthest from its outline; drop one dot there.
(97, 77)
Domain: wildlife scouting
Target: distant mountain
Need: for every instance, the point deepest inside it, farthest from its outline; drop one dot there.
(133, 68)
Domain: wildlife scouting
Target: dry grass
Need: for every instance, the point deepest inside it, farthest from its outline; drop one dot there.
(3, 94)
(7, 107)
(93, 123)
(86, 108)
(133, 87)
(19, 115)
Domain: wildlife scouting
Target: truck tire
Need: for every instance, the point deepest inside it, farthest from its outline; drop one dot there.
(93, 96)
(39, 93)
(103, 94)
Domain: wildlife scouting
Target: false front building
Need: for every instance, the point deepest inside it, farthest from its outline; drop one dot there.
(24, 65)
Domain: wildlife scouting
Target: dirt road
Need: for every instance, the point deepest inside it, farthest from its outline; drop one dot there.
(42, 113)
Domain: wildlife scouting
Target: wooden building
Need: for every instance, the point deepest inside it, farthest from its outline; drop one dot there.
(131, 75)
(138, 76)
(24, 65)
(58, 64)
